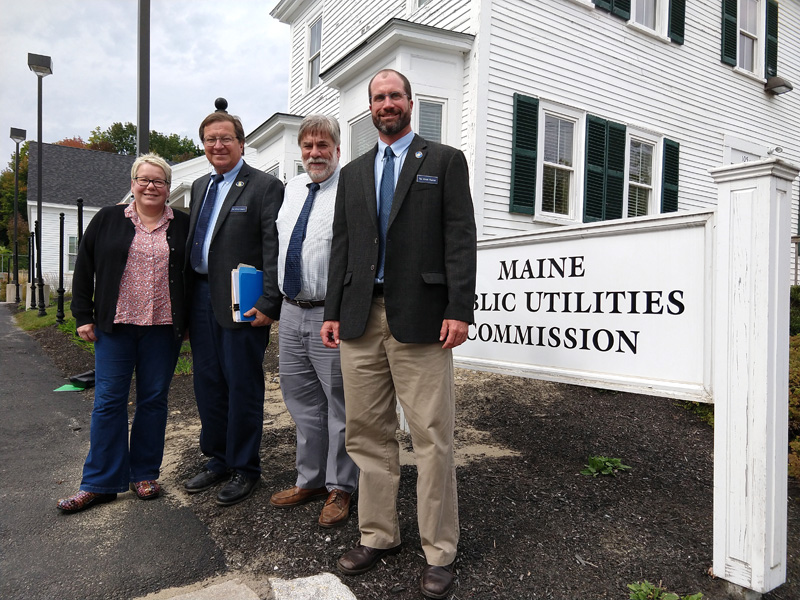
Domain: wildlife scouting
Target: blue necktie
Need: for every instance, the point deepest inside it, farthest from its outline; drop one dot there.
(201, 229)
(385, 205)
(293, 270)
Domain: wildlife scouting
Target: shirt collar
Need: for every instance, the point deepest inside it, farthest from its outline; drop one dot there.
(233, 173)
(398, 147)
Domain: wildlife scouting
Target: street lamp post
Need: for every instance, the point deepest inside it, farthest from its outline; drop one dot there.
(42, 66)
(18, 136)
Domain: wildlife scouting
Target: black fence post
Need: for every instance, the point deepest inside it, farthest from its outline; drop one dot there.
(80, 221)
(60, 309)
(32, 266)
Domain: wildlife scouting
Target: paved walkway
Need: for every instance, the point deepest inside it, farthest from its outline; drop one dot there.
(122, 550)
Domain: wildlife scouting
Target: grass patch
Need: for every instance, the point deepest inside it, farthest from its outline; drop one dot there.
(644, 590)
(702, 409)
(794, 406)
(603, 465)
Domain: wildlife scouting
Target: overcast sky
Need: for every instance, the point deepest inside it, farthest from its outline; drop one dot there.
(199, 50)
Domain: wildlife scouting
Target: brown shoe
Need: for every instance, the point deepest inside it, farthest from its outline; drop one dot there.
(295, 496)
(362, 558)
(436, 582)
(83, 500)
(336, 510)
(146, 490)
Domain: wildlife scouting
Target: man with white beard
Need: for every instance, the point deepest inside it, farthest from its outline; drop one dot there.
(310, 373)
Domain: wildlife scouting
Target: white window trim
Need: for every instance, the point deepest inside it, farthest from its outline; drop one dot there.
(653, 207)
(68, 253)
(588, 4)
(578, 166)
(660, 32)
(309, 23)
(433, 100)
(298, 168)
(413, 6)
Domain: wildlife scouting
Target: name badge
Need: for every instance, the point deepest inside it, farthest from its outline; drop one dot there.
(427, 179)
(238, 209)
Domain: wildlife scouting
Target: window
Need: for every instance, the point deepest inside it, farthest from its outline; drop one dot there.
(298, 168)
(558, 163)
(314, 47)
(430, 119)
(750, 36)
(565, 171)
(363, 136)
(640, 178)
(274, 171)
(72, 252)
(664, 17)
(644, 13)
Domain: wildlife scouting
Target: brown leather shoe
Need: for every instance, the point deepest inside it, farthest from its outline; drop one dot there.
(362, 558)
(295, 496)
(436, 582)
(336, 510)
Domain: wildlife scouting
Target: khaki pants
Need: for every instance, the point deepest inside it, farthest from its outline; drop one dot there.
(375, 367)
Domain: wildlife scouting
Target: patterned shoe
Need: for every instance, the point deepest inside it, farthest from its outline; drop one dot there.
(83, 500)
(146, 490)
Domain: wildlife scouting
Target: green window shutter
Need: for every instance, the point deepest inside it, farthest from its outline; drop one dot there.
(605, 170)
(615, 171)
(525, 140)
(730, 32)
(771, 59)
(621, 8)
(595, 193)
(677, 20)
(671, 169)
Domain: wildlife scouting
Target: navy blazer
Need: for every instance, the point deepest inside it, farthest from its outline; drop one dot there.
(431, 253)
(244, 233)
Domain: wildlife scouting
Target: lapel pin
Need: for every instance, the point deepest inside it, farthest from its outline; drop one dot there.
(418, 154)
(240, 184)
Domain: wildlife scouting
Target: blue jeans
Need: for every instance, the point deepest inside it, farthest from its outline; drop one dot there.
(152, 353)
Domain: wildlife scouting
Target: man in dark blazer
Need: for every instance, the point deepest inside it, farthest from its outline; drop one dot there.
(400, 296)
(232, 221)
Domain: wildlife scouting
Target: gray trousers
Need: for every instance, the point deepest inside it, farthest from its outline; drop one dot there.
(311, 383)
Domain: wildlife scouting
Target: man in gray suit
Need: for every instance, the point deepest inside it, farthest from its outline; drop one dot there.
(311, 376)
(400, 297)
(232, 221)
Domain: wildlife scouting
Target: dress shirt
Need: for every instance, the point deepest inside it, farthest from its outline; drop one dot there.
(223, 188)
(144, 289)
(400, 149)
(317, 243)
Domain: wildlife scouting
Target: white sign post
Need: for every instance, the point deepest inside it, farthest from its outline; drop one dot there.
(690, 305)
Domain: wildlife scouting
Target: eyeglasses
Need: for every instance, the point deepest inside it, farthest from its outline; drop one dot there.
(212, 141)
(394, 97)
(157, 183)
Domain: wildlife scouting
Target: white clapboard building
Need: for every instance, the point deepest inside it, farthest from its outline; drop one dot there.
(569, 111)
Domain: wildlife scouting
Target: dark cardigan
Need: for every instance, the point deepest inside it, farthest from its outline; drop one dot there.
(102, 257)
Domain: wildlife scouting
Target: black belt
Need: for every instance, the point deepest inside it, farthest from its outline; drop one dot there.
(377, 290)
(305, 303)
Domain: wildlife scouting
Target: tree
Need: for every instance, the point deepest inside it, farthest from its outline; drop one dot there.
(7, 198)
(120, 138)
(73, 142)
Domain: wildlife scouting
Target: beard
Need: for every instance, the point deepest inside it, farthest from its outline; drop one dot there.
(403, 120)
(317, 174)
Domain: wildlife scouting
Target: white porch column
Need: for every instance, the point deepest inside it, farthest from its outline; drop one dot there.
(751, 371)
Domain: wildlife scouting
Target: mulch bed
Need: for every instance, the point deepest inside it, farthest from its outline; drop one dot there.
(531, 525)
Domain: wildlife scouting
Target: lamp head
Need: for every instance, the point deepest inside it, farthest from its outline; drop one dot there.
(778, 85)
(40, 64)
(18, 135)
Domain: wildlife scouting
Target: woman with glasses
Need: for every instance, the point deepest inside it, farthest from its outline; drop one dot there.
(129, 299)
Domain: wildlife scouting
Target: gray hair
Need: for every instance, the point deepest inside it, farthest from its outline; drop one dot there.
(155, 160)
(319, 124)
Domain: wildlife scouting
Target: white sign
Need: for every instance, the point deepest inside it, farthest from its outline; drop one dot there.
(624, 307)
